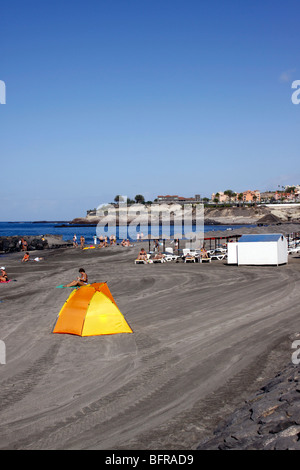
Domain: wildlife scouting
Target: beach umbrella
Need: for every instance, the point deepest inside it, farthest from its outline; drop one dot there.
(89, 311)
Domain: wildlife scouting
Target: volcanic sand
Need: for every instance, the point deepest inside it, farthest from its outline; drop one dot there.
(204, 337)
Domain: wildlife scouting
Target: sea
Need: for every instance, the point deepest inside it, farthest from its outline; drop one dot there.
(67, 231)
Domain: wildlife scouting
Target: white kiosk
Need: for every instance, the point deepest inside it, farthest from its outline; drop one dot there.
(258, 249)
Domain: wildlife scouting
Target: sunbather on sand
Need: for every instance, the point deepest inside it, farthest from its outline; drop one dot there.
(142, 255)
(4, 276)
(204, 253)
(80, 281)
(159, 256)
(25, 257)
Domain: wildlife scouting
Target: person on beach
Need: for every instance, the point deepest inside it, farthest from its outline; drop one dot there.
(82, 240)
(159, 256)
(82, 280)
(142, 255)
(24, 244)
(101, 240)
(3, 276)
(75, 240)
(25, 257)
(156, 245)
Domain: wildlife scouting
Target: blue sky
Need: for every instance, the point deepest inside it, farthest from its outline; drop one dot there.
(144, 97)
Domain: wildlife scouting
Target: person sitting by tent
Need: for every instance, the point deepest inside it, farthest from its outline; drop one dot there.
(25, 257)
(4, 276)
(80, 281)
(142, 255)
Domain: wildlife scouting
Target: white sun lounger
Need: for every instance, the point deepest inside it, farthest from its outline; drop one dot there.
(204, 260)
(291, 251)
(218, 256)
(190, 259)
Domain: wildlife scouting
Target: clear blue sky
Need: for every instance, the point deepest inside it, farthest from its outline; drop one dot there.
(144, 97)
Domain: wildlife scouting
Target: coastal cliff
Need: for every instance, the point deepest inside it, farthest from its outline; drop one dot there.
(218, 215)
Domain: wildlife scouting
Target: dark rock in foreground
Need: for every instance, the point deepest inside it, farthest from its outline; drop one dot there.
(270, 420)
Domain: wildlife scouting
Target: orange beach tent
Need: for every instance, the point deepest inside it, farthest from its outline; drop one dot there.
(90, 311)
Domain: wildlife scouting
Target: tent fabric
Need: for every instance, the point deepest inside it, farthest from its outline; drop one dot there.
(90, 311)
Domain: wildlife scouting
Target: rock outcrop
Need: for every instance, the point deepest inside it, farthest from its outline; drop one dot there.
(13, 244)
(212, 215)
(269, 420)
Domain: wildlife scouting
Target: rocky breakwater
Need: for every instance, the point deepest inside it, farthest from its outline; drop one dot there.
(13, 244)
(269, 420)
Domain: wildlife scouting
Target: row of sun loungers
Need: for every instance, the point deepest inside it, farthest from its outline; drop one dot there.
(188, 256)
(294, 247)
(194, 256)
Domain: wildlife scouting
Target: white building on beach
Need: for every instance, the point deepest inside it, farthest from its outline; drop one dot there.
(259, 249)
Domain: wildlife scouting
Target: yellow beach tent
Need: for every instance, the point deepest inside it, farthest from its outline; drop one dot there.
(89, 311)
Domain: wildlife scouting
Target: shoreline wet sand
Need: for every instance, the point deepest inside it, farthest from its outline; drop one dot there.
(205, 336)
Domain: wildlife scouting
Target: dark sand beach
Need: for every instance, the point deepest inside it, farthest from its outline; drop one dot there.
(205, 336)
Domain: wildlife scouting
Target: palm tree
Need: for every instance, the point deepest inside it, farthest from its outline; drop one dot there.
(230, 194)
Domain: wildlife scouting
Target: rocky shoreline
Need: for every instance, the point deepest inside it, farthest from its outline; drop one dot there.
(43, 242)
(269, 420)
